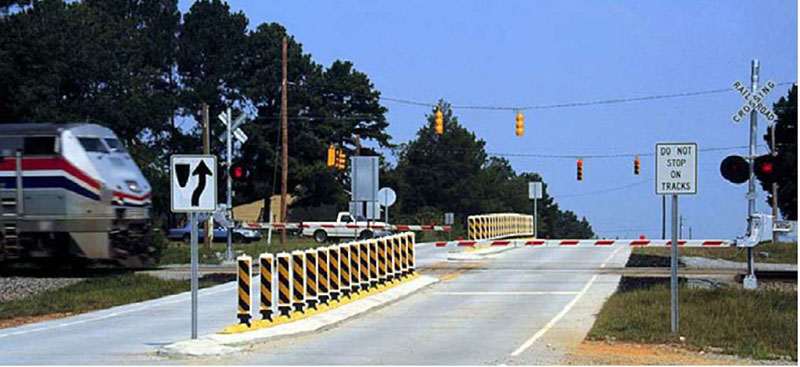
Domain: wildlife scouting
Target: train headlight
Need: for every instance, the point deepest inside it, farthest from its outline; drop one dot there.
(133, 186)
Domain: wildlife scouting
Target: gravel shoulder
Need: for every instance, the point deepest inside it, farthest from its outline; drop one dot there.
(613, 353)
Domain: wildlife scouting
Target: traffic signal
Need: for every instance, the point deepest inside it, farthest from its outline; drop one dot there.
(341, 159)
(238, 172)
(439, 122)
(520, 124)
(580, 169)
(331, 156)
(765, 167)
(735, 169)
(636, 165)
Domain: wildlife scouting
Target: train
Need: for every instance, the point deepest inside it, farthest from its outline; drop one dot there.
(71, 191)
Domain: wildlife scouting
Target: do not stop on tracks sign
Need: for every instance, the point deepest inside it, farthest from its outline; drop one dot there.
(676, 168)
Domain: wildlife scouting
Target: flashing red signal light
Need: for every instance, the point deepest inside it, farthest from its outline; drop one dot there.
(766, 168)
(238, 172)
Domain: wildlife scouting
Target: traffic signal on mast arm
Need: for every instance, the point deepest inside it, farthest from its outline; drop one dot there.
(580, 169)
(636, 165)
(765, 167)
(439, 122)
(331, 156)
(735, 169)
(520, 124)
(341, 159)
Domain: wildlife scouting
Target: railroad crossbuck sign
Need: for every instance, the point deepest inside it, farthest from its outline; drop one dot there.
(753, 101)
(193, 186)
(676, 168)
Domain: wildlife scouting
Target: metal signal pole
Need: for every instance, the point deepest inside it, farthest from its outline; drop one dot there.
(774, 185)
(751, 184)
(284, 141)
(206, 150)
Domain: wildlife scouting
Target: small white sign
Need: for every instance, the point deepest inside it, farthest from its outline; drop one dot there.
(534, 190)
(448, 218)
(193, 183)
(386, 196)
(676, 168)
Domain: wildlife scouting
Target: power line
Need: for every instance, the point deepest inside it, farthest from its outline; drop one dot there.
(610, 189)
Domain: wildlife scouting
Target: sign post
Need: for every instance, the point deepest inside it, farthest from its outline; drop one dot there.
(676, 174)
(193, 189)
(386, 197)
(535, 193)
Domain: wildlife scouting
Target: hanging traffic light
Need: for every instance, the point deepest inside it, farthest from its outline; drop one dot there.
(341, 159)
(439, 122)
(331, 156)
(238, 172)
(520, 124)
(636, 165)
(765, 168)
(580, 169)
(735, 169)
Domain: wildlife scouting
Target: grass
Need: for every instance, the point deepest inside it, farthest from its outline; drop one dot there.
(782, 252)
(178, 252)
(760, 325)
(97, 293)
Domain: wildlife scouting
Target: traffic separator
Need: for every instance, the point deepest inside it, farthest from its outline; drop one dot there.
(284, 283)
(334, 264)
(312, 278)
(355, 266)
(373, 263)
(364, 264)
(344, 276)
(265, 265)
(324, 275)
(244, 274)
(298, 280)
(382, 273)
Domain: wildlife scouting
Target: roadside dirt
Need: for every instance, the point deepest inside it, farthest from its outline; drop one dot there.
(17, 321)
(612, 353)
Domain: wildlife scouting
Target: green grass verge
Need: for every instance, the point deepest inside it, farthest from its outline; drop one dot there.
(782, 252)
(760, 324)
(178, 252)
(95, 294)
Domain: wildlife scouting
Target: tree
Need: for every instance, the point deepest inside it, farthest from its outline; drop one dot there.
(786, 149)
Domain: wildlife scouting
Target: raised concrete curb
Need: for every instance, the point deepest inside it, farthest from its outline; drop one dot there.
(222, 344)
(479, 254)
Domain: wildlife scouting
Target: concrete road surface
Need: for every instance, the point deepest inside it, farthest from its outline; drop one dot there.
(523, 306)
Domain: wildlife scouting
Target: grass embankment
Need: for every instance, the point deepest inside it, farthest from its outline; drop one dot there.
(95, 294)
(760, 324)
(782, 252)
(178, 252)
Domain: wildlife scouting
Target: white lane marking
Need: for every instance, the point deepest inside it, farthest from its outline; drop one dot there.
(563, 312)
(521, 293)
(179, 298)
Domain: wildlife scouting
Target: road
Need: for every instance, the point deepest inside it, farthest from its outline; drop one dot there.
(523, 306)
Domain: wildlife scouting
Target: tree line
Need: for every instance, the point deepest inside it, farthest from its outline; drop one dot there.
(143, 69)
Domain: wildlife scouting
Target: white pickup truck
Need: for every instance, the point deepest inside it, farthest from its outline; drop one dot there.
(322, 231)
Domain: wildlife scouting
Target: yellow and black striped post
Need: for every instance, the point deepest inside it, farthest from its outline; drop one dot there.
(265, 265)
(334, 269)
(355, 267)
(411, 256)
(323, 275)
(471, 228)
(298, 280)
(398, 261)
(344, 276)
(284, 283)
(390, 257)
(312, 278)
(364, 264)
(244, 265)
(403, 250)
(382, 260)
(373, 262)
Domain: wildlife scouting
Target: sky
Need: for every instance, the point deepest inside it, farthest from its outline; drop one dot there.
(535, 53)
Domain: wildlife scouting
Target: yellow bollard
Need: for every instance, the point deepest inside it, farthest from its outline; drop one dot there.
(312, 278)
(284, 284)
(244, 264)
(265, 264)
(344, 277)
(298, 280)
(382, 273)
(323, 276)
(373, 262)
(364, 264)
(334, 269)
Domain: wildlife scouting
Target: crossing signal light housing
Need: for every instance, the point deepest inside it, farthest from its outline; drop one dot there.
(735, 169)
(238, 172)
(341, 159)
(580, 169)
(439, 122)
(765, 168)
(520, 124)
(331, 156)
(637, 165)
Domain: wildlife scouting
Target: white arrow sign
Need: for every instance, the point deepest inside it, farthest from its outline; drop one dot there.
(753, 101)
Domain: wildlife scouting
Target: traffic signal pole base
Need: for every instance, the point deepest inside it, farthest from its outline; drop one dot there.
(749, 282)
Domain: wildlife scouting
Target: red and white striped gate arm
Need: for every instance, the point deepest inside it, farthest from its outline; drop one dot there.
(390, 227)
(589, 243)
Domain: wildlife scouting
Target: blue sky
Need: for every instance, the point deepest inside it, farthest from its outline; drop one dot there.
(549, 52)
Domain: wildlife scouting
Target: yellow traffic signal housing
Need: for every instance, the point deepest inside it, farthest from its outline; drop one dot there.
(636, 164)
(439, 122)
(331, 156)
(520, 124)
(580, 169)
(342, 160)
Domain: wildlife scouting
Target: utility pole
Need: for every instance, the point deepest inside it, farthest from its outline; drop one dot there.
(774, 184)
(750, 279)
(284, 141)
(206, 150)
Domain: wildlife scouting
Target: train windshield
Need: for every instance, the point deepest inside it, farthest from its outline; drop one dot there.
(115, 145)
(93, 145)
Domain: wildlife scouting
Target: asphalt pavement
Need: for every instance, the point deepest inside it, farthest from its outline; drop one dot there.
(523, 306)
